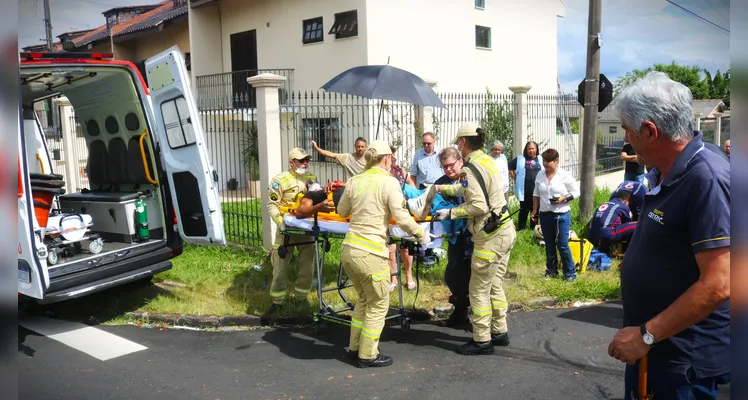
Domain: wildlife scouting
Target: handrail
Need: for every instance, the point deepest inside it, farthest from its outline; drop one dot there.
(41, 164)
(145, 161)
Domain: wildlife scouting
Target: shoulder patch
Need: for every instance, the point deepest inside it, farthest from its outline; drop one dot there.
(273, 197)
(276, 185)
(603, 207)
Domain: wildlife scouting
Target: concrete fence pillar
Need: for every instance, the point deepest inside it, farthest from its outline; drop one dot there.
(520, 117)
(269, 138)
(718, 128)
(424, 119)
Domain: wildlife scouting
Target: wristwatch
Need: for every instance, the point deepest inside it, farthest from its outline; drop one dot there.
(648, 338)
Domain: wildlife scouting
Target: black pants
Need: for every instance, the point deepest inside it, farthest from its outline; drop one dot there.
(457, 273)
(525, 207)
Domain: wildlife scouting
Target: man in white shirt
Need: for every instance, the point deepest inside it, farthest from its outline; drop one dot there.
(554, 190)
(497, 153)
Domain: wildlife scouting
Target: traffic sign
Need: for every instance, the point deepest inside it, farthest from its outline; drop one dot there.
(604, 98)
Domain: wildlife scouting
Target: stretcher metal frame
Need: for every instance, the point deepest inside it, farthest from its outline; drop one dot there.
(327, 313)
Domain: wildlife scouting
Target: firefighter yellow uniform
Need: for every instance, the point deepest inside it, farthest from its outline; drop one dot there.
(284, 188)
(491, 253)
(372, 198)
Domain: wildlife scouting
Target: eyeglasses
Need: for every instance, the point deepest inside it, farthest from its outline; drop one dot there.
(450, 166)
(304, 161)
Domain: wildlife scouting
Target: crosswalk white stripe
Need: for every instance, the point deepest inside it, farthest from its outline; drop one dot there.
(92, 341)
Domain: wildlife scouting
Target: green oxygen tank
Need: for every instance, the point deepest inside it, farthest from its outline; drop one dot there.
(141, 219)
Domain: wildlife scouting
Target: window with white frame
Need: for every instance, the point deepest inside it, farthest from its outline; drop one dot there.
(312, 29)
(324, 131)
(482, 37)
(480, 4)
(346, 25)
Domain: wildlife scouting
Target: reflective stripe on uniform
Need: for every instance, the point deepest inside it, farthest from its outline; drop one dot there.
(305, 291)
(276, 246)
(487, 162)
(282, 293)
(380, 275)
(358, 240)
(370, 334)
(499, 304)
(486, 255)
(357, 323)
(479, 312)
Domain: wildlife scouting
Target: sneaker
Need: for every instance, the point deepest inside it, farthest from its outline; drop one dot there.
(380, 361)
(500, 339)
(420, 207)
(473, 348)
(570, 279)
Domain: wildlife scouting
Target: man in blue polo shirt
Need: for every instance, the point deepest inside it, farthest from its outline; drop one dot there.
(675, 277)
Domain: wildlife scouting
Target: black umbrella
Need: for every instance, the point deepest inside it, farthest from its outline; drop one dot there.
(384, 82)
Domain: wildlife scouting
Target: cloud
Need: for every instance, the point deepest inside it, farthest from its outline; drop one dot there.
(640, 33)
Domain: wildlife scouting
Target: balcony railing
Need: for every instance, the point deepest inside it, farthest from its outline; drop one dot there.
(230, 90)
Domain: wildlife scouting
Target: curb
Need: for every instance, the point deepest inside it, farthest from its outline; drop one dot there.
(246, 320)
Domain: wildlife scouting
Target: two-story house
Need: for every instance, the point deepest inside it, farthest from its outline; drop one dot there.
(463, 45)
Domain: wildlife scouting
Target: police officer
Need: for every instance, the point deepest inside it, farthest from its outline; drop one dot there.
(493, 236)
(371, 199)
(284, 188)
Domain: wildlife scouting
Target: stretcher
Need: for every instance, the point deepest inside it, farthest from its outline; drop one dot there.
(325, 226)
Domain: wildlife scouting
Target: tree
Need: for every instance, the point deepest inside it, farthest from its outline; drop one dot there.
(689, 76)
(498, 122)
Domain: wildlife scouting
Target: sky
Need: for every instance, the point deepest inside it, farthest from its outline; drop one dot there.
(636, 33)
(66, 16)
(639, 33)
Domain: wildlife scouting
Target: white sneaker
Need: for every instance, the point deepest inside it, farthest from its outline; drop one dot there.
(420, 206)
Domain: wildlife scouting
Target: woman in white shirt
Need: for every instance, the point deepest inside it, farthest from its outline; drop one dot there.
(554, 190)
(497, 153)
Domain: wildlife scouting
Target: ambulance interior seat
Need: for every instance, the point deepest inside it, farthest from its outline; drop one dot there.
(109, 166)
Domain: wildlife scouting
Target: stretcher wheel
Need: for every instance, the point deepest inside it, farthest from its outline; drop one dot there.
(52, 256)
(316, 327)
(282, 251)
(405, 325)
(96, 246)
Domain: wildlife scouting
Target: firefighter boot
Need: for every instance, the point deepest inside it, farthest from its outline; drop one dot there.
(473, 348)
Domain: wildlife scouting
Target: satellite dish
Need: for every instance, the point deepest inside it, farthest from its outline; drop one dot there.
(68, 45)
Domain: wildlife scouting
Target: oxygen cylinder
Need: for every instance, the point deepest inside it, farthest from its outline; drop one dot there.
(141, 219)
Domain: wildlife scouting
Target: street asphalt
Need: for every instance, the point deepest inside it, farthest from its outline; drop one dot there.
(554, 354)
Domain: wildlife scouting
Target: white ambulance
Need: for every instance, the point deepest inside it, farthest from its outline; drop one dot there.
(150, 186)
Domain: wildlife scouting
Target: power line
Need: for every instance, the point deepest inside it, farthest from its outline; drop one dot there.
(721, 18)
(698, 16)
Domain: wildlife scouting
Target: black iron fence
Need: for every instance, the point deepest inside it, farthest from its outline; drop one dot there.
(230, 90)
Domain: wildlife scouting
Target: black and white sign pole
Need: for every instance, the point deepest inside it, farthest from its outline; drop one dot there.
(591, 96)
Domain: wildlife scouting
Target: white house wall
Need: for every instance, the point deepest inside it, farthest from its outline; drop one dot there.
(436, 40)
(279, 37)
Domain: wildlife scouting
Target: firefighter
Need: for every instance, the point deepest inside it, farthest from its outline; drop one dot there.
(493, 236)
(284, 189)
(371, 199)
(612, 223)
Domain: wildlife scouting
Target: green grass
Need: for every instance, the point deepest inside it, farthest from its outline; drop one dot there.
(224, 280)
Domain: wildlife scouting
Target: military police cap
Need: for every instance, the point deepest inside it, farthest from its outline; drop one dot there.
(468, 129)
(298, 154)
(380, 147)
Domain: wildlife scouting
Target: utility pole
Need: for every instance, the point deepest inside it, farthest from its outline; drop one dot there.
(48, 25)
(591, 96)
